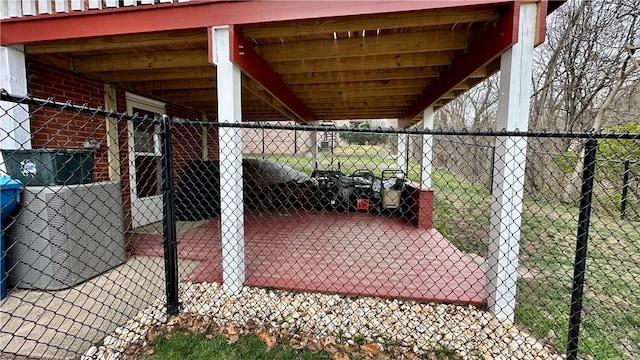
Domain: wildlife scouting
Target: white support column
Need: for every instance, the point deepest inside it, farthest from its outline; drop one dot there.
(313, 137)
(509, 167)
(232, 209)
(15, 127)
(403, 144)
(427, 149)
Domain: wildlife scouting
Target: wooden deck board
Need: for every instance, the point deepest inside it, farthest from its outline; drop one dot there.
(344, 253)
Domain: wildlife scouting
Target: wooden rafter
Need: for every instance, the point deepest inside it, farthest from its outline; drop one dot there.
(364, 63)
(403, 43)
(359, 75)
(391, 21)
(207, 71)
(481, 52)
(253, 65)
(141, 61)
(104, 43)
(177, 84)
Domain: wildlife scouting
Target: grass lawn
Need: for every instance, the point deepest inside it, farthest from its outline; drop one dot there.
(181, 345)
(611, 314)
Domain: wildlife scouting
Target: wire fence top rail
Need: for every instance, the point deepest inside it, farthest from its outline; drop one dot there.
(51, 102)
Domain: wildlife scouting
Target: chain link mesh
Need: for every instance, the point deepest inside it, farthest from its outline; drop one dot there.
(364, 236)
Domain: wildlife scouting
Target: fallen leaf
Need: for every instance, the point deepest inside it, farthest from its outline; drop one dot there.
(315, 346)
(151, 335)
(370, 349)
(232, 338)
(340, 356)
(326, 341)
(232, 329)
(331, 349)
(209, 336)
(267, 339)
(149, 351)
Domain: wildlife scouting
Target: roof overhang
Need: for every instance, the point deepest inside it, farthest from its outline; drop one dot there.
(302, 61)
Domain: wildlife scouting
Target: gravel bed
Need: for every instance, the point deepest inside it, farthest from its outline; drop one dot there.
(470, 332)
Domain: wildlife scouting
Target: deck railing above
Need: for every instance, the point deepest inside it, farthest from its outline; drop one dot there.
(24, 8)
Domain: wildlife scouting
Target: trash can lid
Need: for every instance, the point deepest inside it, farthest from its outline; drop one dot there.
(8, 183)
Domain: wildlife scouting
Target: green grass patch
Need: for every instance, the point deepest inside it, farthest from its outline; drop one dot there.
(181, 345)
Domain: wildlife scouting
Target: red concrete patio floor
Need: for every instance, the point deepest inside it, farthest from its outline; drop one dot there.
(343, 253)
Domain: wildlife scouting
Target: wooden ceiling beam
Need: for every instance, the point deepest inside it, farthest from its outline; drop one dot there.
(363, 63)
(181, 96)
(208, 72)
(389, 21)
(360, 85)
(401, 43)
(482, 52)
(103, 43)
(359, 75)
(255, 67)
(370, 99)
(355, 92)
(181, 84)
(359, 116)
(141, 61)
(268, 99)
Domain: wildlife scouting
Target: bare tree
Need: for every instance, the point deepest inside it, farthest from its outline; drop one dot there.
(622, 55)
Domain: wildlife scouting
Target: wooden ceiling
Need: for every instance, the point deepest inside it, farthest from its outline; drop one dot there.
(358, 67)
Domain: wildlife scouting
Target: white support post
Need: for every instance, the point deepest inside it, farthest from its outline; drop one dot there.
(427, 149)
(313, 137)
(403, 144)
(509, 167)
(15, 127)
(232, 209)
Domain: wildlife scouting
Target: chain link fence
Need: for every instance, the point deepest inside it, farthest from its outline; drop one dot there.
(116, 226)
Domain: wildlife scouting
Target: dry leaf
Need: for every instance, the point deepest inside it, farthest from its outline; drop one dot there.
(340, 356)
(370, 349)
(232, 338)
(331, 349)
(326, 341)
(315, 346)
(151, 335)
(149, 351)
(267, 339)
(232, 329)
(209, 336)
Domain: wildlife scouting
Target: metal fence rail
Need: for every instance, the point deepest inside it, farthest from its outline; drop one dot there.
(479, 244)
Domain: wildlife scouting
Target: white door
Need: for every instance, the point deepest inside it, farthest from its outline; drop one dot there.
(145, 156)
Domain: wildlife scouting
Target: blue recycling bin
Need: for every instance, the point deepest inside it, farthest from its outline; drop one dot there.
(9, 198)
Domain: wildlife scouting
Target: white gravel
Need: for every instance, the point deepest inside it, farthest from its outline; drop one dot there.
(471, 332)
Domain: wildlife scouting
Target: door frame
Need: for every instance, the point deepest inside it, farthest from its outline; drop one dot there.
(144, 210)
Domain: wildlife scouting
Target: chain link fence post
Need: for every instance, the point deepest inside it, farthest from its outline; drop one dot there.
(580, 262)
(625, 189)
(169, 220)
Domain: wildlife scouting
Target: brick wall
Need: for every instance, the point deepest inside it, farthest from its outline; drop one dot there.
(67, 129)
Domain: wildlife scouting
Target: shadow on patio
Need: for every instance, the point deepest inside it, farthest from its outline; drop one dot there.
(345, 253)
